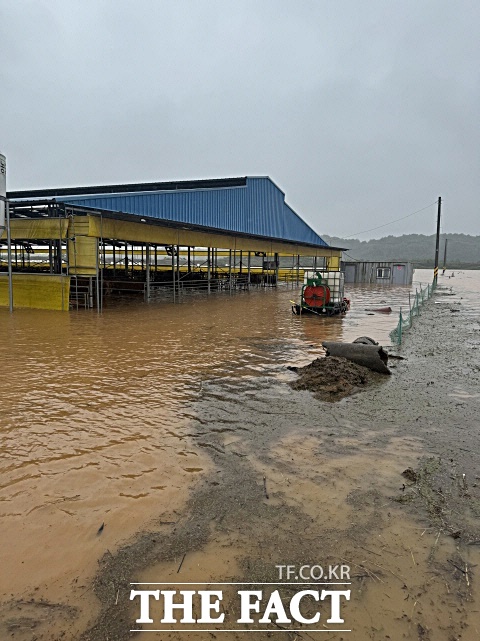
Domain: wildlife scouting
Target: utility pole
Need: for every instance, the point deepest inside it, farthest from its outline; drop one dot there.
(437, 246)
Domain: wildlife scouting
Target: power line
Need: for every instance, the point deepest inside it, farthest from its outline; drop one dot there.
(392, 221)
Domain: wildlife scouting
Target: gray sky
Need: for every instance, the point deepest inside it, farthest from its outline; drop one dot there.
(362, 111)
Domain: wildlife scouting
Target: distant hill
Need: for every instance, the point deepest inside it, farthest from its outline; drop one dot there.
(462, 250)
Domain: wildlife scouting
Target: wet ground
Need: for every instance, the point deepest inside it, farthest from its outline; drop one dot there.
(187, 450)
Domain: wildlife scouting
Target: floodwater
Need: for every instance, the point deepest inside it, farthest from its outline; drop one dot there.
(96, 415)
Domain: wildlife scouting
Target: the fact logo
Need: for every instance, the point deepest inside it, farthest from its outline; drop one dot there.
(276, 604)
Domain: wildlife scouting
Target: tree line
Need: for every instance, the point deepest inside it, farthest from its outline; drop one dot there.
(462, 249)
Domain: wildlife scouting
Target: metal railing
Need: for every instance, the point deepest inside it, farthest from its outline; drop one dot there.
(78, 300)
(415, 303)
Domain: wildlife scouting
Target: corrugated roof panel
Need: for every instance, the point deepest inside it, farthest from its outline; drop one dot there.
(295, 225)
(266, 207)
(258, 208)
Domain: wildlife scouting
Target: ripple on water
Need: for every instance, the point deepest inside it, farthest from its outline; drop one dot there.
(100, 406)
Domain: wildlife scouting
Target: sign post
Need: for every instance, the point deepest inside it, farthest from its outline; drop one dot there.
(5, 222)
(3, 191)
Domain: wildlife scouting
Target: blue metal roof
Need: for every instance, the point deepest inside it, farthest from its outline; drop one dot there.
(253, 206)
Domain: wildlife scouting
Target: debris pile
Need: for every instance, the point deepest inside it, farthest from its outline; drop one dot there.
(331, 378)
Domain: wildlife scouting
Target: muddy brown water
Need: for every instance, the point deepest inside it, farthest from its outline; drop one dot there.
(166, 418)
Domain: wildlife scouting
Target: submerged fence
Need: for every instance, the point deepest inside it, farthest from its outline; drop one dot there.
(415, 303)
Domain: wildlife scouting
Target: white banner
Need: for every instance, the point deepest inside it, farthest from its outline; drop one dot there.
(3, 190)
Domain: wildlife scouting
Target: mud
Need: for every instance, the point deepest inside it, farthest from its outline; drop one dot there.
(332, 378)
(336, 494)
(439, 489)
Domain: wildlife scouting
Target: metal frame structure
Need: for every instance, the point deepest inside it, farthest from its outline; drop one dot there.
(98, 249)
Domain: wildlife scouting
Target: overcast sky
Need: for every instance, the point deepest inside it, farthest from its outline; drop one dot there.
(362, 111)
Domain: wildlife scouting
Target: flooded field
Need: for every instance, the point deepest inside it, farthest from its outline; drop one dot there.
(165, 418)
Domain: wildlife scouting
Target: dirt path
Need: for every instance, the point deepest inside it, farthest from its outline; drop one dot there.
(333, 493)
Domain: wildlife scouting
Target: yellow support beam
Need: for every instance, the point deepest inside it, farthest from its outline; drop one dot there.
(37, 228)
(82, 256)
(96, 226)
(128, 231)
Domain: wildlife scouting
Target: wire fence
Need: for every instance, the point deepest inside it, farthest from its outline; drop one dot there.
(415, 303)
